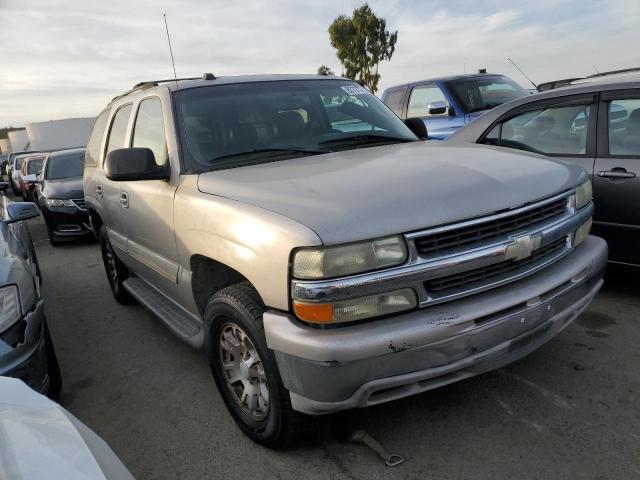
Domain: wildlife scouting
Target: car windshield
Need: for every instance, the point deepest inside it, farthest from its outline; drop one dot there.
(19, 162)
(65, 166)
(34, 166)
(483, 93)
(247, 123)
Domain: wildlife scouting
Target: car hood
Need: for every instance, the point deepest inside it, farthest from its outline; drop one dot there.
(64, 188)
(377, 191)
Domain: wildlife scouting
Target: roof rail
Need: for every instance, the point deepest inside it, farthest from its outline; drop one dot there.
(615, 72)
(154, 83)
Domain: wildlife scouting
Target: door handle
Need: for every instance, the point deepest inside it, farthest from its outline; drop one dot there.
(620, 173)
(99, 192)
(124, 199)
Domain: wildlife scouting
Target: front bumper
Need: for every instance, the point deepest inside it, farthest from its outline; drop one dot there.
(25, 356)
(356, 366)
(67, 223)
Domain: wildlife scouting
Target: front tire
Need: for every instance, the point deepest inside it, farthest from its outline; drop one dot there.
(116, 271)
(245, 369)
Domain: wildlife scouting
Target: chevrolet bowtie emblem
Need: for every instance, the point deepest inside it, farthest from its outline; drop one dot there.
(522, 247)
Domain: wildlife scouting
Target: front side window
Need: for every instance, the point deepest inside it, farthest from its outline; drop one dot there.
(551, 131)
(118, 130)
(246, 123)
(624, 127)
(421, 98)
(65, 166)
(483, 93)
(394, 100)
(148, 131)
(92, 153)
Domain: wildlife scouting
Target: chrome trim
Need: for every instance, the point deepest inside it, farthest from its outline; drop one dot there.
(77, 205)
(418, 269)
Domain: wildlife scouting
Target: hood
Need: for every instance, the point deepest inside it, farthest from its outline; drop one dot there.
(63, 189)
(372, 192)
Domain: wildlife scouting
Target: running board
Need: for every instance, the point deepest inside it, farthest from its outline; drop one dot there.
(182, 323)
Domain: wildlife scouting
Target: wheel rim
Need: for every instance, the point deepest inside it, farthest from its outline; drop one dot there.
(110, 263)
(243, 371)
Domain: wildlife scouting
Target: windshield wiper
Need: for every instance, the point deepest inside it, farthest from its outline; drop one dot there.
(366, 137)
(283, 150)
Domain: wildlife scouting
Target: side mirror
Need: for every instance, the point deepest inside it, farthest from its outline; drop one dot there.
(3, 186)
(417, 126)
(18, 211)
(134, 164)
(33, 178)
(437, 108)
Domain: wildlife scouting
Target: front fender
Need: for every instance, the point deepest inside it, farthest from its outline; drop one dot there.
(255, 242)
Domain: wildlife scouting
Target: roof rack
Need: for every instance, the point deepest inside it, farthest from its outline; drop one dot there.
(155, 83)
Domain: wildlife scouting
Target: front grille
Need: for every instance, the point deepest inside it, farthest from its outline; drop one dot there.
(479, 276)
(482, 233)
(79, 203)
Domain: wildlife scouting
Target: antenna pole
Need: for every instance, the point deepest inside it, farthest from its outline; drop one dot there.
(524, 74)
(173, 63)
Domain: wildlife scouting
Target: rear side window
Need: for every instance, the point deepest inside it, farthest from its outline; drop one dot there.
(624, 127)
(550, 131)
(422, 97)
(394, 100)
(149, 129)
(95, 140)
(118, 130)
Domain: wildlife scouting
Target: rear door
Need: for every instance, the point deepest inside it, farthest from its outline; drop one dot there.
(617, 175)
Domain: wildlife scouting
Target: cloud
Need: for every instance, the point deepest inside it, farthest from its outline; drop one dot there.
(68, 58)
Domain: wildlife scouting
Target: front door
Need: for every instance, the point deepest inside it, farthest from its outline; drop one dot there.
(616, 179)
(147, 205)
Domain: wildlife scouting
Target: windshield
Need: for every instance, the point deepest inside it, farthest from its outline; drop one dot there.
(240, 124)
(65, 166)
(34, 166)
(18, 162)
(483, 93)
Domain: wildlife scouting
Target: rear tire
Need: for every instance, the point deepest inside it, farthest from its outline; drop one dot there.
(116, 271)
(245, 369)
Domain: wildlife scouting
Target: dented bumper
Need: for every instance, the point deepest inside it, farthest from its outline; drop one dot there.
(370, 363)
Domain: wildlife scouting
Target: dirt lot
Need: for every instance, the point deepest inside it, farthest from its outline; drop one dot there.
(569, 410)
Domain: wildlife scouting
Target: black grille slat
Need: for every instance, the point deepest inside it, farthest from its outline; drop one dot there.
(467, 279)
(473, 235)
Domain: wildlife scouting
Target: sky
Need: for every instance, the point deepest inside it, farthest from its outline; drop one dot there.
(68, 58)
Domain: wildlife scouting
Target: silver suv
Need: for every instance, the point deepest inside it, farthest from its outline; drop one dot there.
(323, 256)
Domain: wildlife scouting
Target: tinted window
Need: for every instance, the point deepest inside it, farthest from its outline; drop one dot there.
(235, 120)
(65, 166)
(420, 99)
(34, 166)
(555, 130)
(118, 130)
(92, 153)
(149, 129)
(624, 127)
(394, 99)
(482, 93)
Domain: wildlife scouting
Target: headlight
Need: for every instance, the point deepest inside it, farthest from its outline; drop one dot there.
(329, 262)
(10, 311)
(52, 202)
(356, 308)
(584, 194)
(582, 233)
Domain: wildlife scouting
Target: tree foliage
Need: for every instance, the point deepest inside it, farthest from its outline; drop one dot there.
(324, 70)
(362, 42)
